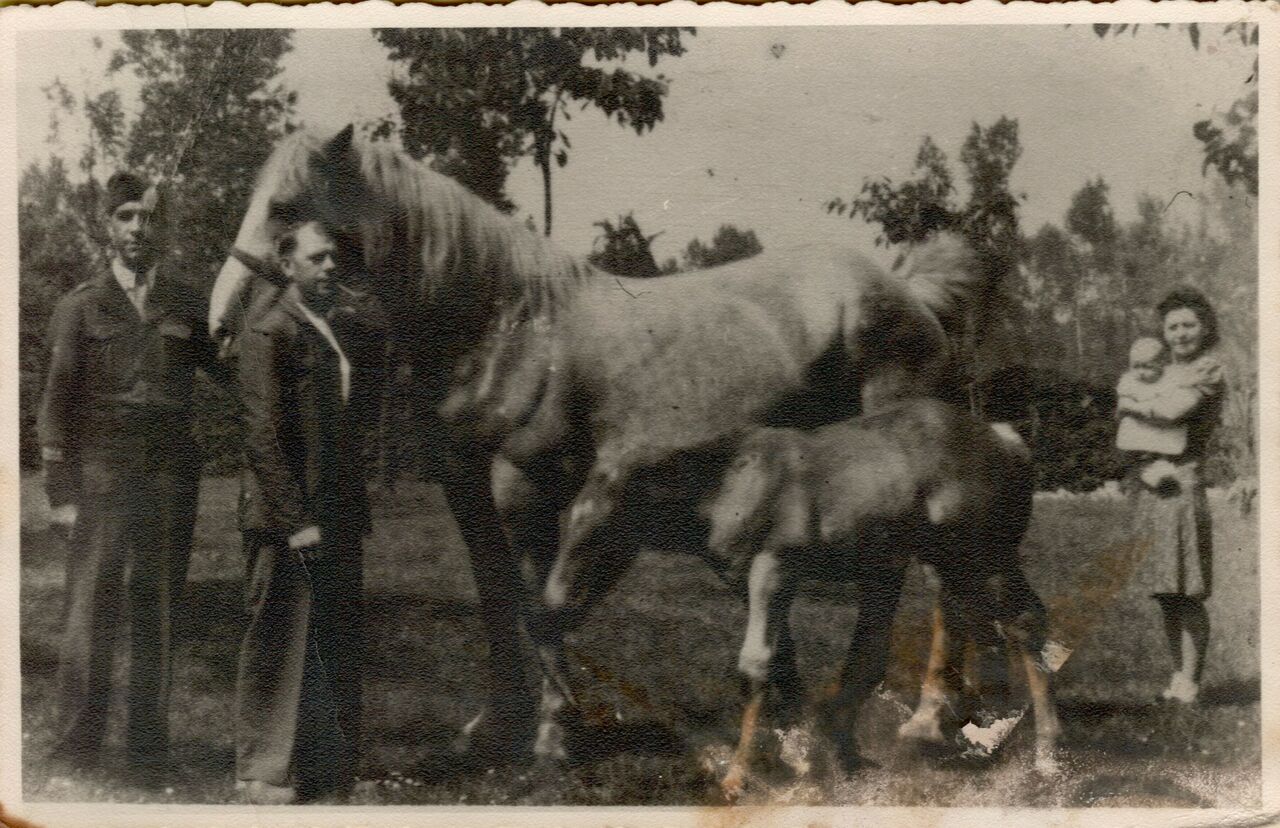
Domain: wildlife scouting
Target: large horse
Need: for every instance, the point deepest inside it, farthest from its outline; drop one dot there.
(590, 388)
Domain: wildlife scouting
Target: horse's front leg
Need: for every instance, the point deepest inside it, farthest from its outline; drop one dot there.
(768, 604)
(865, 667)
(503, 728)
(594, 551)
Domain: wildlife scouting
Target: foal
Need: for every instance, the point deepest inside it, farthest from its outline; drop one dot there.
(853, 501)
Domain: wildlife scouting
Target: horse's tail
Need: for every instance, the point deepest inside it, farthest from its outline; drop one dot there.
(946, 276)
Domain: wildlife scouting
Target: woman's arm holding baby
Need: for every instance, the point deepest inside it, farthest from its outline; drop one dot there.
(1178, 401)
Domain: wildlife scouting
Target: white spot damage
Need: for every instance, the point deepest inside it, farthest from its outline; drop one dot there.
(984, 741)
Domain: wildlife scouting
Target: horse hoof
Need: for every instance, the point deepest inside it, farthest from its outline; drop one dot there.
(550, 745)
(1047, 766)
(733, 785)
(795, 749)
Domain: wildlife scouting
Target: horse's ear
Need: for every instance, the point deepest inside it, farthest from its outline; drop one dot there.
(340, 145)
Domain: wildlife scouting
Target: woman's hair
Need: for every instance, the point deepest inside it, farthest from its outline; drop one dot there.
(1194, 301)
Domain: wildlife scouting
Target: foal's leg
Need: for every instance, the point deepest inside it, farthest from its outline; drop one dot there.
(768, 604)
(1027, 623)
(1047, 726)
(925, 724)
(865, 667)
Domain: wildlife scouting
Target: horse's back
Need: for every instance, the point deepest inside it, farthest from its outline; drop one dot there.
(678, 361)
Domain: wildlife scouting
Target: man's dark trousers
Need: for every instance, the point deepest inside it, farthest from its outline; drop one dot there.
(300, 706)
(137, 515)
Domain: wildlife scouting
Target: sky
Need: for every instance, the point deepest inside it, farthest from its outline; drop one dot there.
(764, 125)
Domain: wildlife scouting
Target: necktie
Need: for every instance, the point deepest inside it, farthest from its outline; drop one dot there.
(138, 295)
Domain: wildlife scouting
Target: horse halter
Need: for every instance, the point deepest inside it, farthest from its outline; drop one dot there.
(259, 267)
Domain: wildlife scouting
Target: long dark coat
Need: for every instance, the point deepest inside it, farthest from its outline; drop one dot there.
(303, 459)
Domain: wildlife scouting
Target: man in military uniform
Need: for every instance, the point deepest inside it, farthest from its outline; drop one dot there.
(121, 464)
(304, 510)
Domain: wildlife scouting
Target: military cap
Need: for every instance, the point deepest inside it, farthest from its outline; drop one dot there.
(122, 188)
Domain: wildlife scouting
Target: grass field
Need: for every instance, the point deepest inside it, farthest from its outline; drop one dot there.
(661, 653)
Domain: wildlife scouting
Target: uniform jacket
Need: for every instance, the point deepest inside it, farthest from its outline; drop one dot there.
(302, 449)
(118, 384)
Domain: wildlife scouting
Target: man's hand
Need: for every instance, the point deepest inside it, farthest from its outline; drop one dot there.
(305, 538)
(62, 519)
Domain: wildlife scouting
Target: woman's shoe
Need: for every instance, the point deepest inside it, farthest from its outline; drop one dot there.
(257, 792)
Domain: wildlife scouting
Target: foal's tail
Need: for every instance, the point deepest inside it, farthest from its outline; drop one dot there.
(947, 276)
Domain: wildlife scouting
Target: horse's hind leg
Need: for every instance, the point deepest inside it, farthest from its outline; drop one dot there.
(785, 696)
(865, 667)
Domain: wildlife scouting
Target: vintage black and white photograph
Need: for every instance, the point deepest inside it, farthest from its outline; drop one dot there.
(697, 415)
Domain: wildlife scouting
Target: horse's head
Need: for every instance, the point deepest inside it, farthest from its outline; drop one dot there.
(304, 179)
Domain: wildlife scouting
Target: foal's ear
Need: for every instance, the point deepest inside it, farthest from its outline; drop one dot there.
(340, 144)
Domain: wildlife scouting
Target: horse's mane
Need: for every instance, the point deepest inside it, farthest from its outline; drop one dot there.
(464, 246)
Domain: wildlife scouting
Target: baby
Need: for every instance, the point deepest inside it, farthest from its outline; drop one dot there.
(1143, 383)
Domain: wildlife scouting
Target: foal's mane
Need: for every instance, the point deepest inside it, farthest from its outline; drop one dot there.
(463, 248)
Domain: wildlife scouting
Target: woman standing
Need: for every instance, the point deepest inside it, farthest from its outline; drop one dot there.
(1171, 510)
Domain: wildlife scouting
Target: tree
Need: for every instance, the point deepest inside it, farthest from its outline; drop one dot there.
(989, 341)
(1147, 261)
(488, 97)
(624, 249)
(912, 211)
(210, 114)
(1230, 139)
(729, 244)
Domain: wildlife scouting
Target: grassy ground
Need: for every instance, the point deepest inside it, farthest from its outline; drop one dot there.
(661, 652)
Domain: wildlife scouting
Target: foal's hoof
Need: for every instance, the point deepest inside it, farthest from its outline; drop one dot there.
(925, 730)
(734, 784)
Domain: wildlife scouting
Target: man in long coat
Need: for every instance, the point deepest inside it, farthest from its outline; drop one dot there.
(122, 466)
(304, 510)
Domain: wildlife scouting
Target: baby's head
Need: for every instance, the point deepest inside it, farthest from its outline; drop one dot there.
(1145, 358)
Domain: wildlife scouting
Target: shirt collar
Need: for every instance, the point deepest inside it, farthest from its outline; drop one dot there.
(128, 279)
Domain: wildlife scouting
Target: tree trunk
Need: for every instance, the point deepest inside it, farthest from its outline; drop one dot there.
(1079, 338)
(546, 193)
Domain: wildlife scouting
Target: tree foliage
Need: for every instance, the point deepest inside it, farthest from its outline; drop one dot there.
(623, 248)
(729, 244)
(484, 98)
(927, 202)
(1230, 138)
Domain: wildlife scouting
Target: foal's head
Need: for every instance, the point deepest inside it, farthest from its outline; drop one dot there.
(744, 507)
